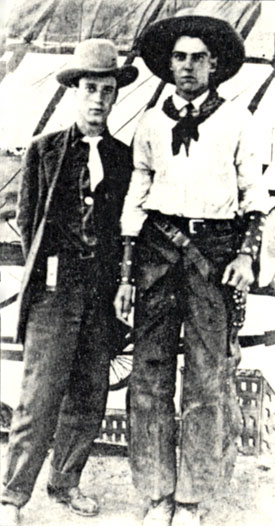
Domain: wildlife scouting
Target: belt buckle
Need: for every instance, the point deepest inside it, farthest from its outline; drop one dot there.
(86, 256)
(192, 225)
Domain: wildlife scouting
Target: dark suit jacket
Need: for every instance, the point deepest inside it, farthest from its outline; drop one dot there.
(37, 205)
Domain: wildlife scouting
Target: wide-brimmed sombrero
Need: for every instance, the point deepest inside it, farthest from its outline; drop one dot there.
(96, 56)
(222, 40)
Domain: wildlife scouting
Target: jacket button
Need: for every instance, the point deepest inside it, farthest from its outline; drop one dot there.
(88, 200)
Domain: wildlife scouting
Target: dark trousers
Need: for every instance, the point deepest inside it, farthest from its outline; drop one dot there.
(172, 289)
(65, 382)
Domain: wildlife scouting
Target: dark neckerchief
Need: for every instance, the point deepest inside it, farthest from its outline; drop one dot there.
(187, 126)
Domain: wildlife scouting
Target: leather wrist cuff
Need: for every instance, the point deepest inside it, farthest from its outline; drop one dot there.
(128, 243)
(251, 244)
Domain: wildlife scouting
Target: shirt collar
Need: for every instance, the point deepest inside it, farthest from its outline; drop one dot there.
(180, 102)
(77, 135)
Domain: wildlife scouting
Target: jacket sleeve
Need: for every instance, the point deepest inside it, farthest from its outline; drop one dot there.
(28, 197)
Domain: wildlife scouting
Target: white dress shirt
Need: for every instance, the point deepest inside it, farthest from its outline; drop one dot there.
(221, 176)
(180, 103)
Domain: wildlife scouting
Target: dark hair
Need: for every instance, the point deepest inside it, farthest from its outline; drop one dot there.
(208, 41)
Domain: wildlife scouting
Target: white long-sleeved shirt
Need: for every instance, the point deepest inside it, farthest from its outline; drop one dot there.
(221, 176)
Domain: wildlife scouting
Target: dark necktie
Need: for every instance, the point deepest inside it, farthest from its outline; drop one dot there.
(87, 208)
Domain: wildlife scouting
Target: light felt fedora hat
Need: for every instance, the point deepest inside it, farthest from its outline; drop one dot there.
(218, 35)
(96, 56)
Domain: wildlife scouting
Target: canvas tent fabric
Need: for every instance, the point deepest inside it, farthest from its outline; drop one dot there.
(62, 22)
(65, 22)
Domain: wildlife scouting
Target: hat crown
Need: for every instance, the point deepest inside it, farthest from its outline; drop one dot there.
(95, 55)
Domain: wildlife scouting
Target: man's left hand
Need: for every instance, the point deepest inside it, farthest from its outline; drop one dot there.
(239, 273)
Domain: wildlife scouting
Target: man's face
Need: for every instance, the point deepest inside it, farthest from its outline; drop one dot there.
(191, 64)
(95, 97)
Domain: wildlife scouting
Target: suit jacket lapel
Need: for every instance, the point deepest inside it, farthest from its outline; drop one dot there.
(53, 158)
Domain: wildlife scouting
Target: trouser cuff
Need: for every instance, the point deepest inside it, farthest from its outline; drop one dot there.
(16, 498)
(63, 480)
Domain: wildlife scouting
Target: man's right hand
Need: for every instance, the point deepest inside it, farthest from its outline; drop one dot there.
(123, 301)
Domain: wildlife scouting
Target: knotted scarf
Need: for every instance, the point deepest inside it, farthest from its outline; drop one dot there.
(187, 126)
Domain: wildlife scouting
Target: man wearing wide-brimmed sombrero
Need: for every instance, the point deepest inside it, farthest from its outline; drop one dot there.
(72, 190)
(192, 223)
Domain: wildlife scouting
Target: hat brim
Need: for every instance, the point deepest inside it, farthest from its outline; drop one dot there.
(218, 35)
(124, 75)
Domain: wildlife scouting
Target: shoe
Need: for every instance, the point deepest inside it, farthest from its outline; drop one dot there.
(186, 516)
(9, 515)
(75, 500)
(160, 513)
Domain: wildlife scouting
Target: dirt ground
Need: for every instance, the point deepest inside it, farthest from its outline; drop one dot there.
(248, 501)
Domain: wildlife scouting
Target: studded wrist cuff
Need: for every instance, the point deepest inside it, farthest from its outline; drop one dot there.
(251, 244)
(128, 243)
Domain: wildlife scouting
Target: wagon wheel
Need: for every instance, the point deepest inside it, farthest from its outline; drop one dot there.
(120, 368)
(122, 357)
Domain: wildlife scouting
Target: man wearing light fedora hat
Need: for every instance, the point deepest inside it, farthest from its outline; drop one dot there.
(70, 200)
(192, 223)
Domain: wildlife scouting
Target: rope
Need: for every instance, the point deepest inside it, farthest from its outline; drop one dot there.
(49, 110)
(8, 302)
(12, 228)
(135, 89)
(251, 21)
(255, 101)
(130, 120)
(10, 180)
